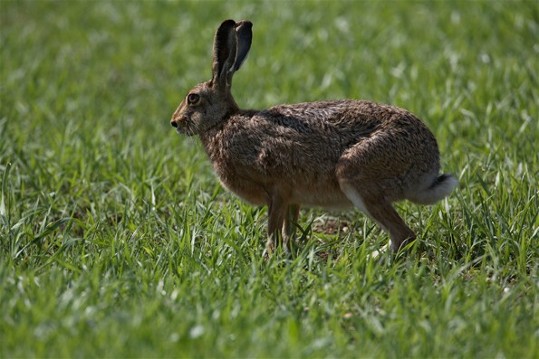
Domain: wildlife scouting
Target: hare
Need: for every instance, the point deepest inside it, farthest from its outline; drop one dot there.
(332, 154)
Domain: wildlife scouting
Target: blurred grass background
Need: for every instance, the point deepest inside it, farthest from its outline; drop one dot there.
(117, 240)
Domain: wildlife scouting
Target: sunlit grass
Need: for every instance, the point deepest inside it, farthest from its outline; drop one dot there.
(117, 240)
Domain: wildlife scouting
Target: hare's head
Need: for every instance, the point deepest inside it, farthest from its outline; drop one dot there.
(210, 102)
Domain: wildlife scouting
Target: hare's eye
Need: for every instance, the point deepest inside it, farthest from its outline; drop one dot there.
(193, 98)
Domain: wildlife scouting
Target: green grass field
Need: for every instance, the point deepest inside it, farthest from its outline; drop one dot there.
(116, 239)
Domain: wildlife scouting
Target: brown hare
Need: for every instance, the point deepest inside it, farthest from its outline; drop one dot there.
(332, 154)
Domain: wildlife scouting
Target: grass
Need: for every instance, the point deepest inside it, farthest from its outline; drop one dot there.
(116, 239)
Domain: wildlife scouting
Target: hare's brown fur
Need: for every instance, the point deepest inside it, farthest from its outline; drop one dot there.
(327, 153)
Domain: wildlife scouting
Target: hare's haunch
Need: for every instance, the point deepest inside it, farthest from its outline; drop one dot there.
(327, 153)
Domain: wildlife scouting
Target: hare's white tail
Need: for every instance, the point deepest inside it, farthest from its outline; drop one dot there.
(441, 187)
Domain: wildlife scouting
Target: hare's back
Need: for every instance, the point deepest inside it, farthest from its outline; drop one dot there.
(340, 115)
(322, 131)
(325, 131)
(343, 118)
(300, 137)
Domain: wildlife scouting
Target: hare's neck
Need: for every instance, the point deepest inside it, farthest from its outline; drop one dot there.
(216, 139)
(212, 138)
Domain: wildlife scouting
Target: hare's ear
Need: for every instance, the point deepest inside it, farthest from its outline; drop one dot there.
(224, 52)
(231, 46)
(244, 34)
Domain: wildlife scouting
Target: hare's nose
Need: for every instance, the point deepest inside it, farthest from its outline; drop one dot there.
(174, 124)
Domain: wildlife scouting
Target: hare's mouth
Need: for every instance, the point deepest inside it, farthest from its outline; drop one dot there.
(185, 130)
(183, 126)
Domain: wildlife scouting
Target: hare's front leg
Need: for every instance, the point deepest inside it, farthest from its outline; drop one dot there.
(290, 223)
(277, 209)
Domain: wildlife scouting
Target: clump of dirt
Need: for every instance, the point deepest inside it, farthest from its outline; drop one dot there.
(331, 225)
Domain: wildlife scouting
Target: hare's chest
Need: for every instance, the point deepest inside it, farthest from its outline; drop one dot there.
(248, 188)
(231, 166)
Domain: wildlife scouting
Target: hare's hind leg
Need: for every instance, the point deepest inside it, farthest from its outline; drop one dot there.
(380, 210)
(371, 180)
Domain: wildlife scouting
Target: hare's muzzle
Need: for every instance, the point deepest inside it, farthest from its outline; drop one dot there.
(176, 121)
(181, 125)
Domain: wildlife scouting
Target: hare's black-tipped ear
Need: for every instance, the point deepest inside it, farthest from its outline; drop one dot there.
(224, 51)
(231, 46)
(244, 34)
